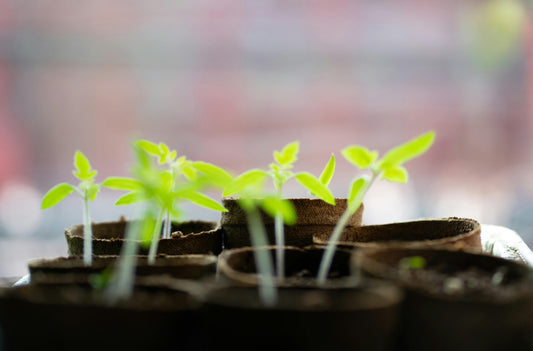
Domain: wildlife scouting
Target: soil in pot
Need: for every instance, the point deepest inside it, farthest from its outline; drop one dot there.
(72, 269)
(75, 317)
(453, 232)
(303, 319)
(189, 237)
(314, 217)
(458, 300)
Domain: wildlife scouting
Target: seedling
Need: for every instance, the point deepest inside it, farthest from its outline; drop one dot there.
(389, 167)
(280, 172)
(182, 180)
(87, 189)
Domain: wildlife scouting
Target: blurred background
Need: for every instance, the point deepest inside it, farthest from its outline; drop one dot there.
(229, 82)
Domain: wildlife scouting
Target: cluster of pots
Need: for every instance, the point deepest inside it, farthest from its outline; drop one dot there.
(202, 291)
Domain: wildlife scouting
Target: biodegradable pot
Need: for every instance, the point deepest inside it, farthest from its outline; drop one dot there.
(456, 233)
(314, 217)
(56, 270)
(74, 317)
(459, 300)
(303, 319)
(189, 237)
(237, 266)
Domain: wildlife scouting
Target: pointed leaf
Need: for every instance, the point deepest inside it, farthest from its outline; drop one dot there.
(244, 181)
(274, 205)
(289, 153)
(83, 167)
(407, 151)
(359, 156)
(357, 191)
(203, 200)
(316, 187)
(149, 147)
(93, 191)
(122, 183)
(215, 174)
(329, 170)
(396, 174)
(56, 195)
(130, 199)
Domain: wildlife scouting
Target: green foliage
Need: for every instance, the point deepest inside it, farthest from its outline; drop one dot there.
(56, 195)
(412, 262)
(328, 171)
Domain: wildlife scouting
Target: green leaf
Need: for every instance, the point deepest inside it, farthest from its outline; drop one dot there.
(288, 155)
(315, 186)
(244, 181)
(407, 151)
(327, 173)
(130, 199)
(189, 173)
(273, 205)
(149, 147)
(413, 262)
(83, 168)
(396, 174)
(359, 156)
(56, 195)
(215, 174)
(203, 200)
(92, 191)
(357, 191)
(122, 183)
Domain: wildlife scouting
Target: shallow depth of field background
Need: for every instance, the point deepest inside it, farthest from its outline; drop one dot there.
(228, 82)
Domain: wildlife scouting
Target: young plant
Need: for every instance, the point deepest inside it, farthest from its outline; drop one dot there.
(389, 167)
(280, 172)
(181, 180)
(87, 189)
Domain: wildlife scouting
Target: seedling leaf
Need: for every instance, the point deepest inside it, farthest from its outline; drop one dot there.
(359, 156)
(203, 200)
(56, 195)
(274, 205)
(120, 183)
(397, 174)
(130, 198)
(92, 191)
(149, 147)
(244, 181)
(413, 262)
(327, 173)
(357, 190)
(315, 186)
(216, 175)
(407, 151)
(83, 167)
(288, 155)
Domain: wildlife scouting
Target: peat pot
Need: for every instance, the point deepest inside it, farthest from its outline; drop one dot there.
(457, 300)
(76, 317)
(453, 232)
(314, 217)
(189, 237)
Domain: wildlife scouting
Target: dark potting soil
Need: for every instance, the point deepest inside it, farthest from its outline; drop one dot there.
(467, 284)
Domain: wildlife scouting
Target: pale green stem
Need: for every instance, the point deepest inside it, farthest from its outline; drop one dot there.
(327, 258)
(155, 238)
(280, 243)
(121, 287)
(168, 226)
(263, 260)
(87, 233)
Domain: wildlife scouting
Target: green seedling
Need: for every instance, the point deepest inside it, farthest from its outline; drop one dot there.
(280, 172)
(87, 189)
(389, 167)
(412, 262)
(165, 188)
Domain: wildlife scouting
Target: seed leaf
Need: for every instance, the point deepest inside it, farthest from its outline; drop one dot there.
(203, 200)
(149, 147)
(244, 181)
(56, 195)
(92, 191)
(407, 151)
(130, 199)
(216, 175)
(273, 205)
(359, 156)
(316, 187)
(397, 174)
(122, 183)
(357, 191)
(327, 173)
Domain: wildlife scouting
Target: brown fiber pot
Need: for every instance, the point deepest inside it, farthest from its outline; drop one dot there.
(457, 233)
(189, 237)
(56, 270)
(459, 300)
(73, 317)
(314, 217)
(303, 319)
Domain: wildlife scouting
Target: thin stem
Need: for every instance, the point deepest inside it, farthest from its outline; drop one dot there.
(156, 235)
(263, 260)
(87, 233)
(280, 243)
(168, 226)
